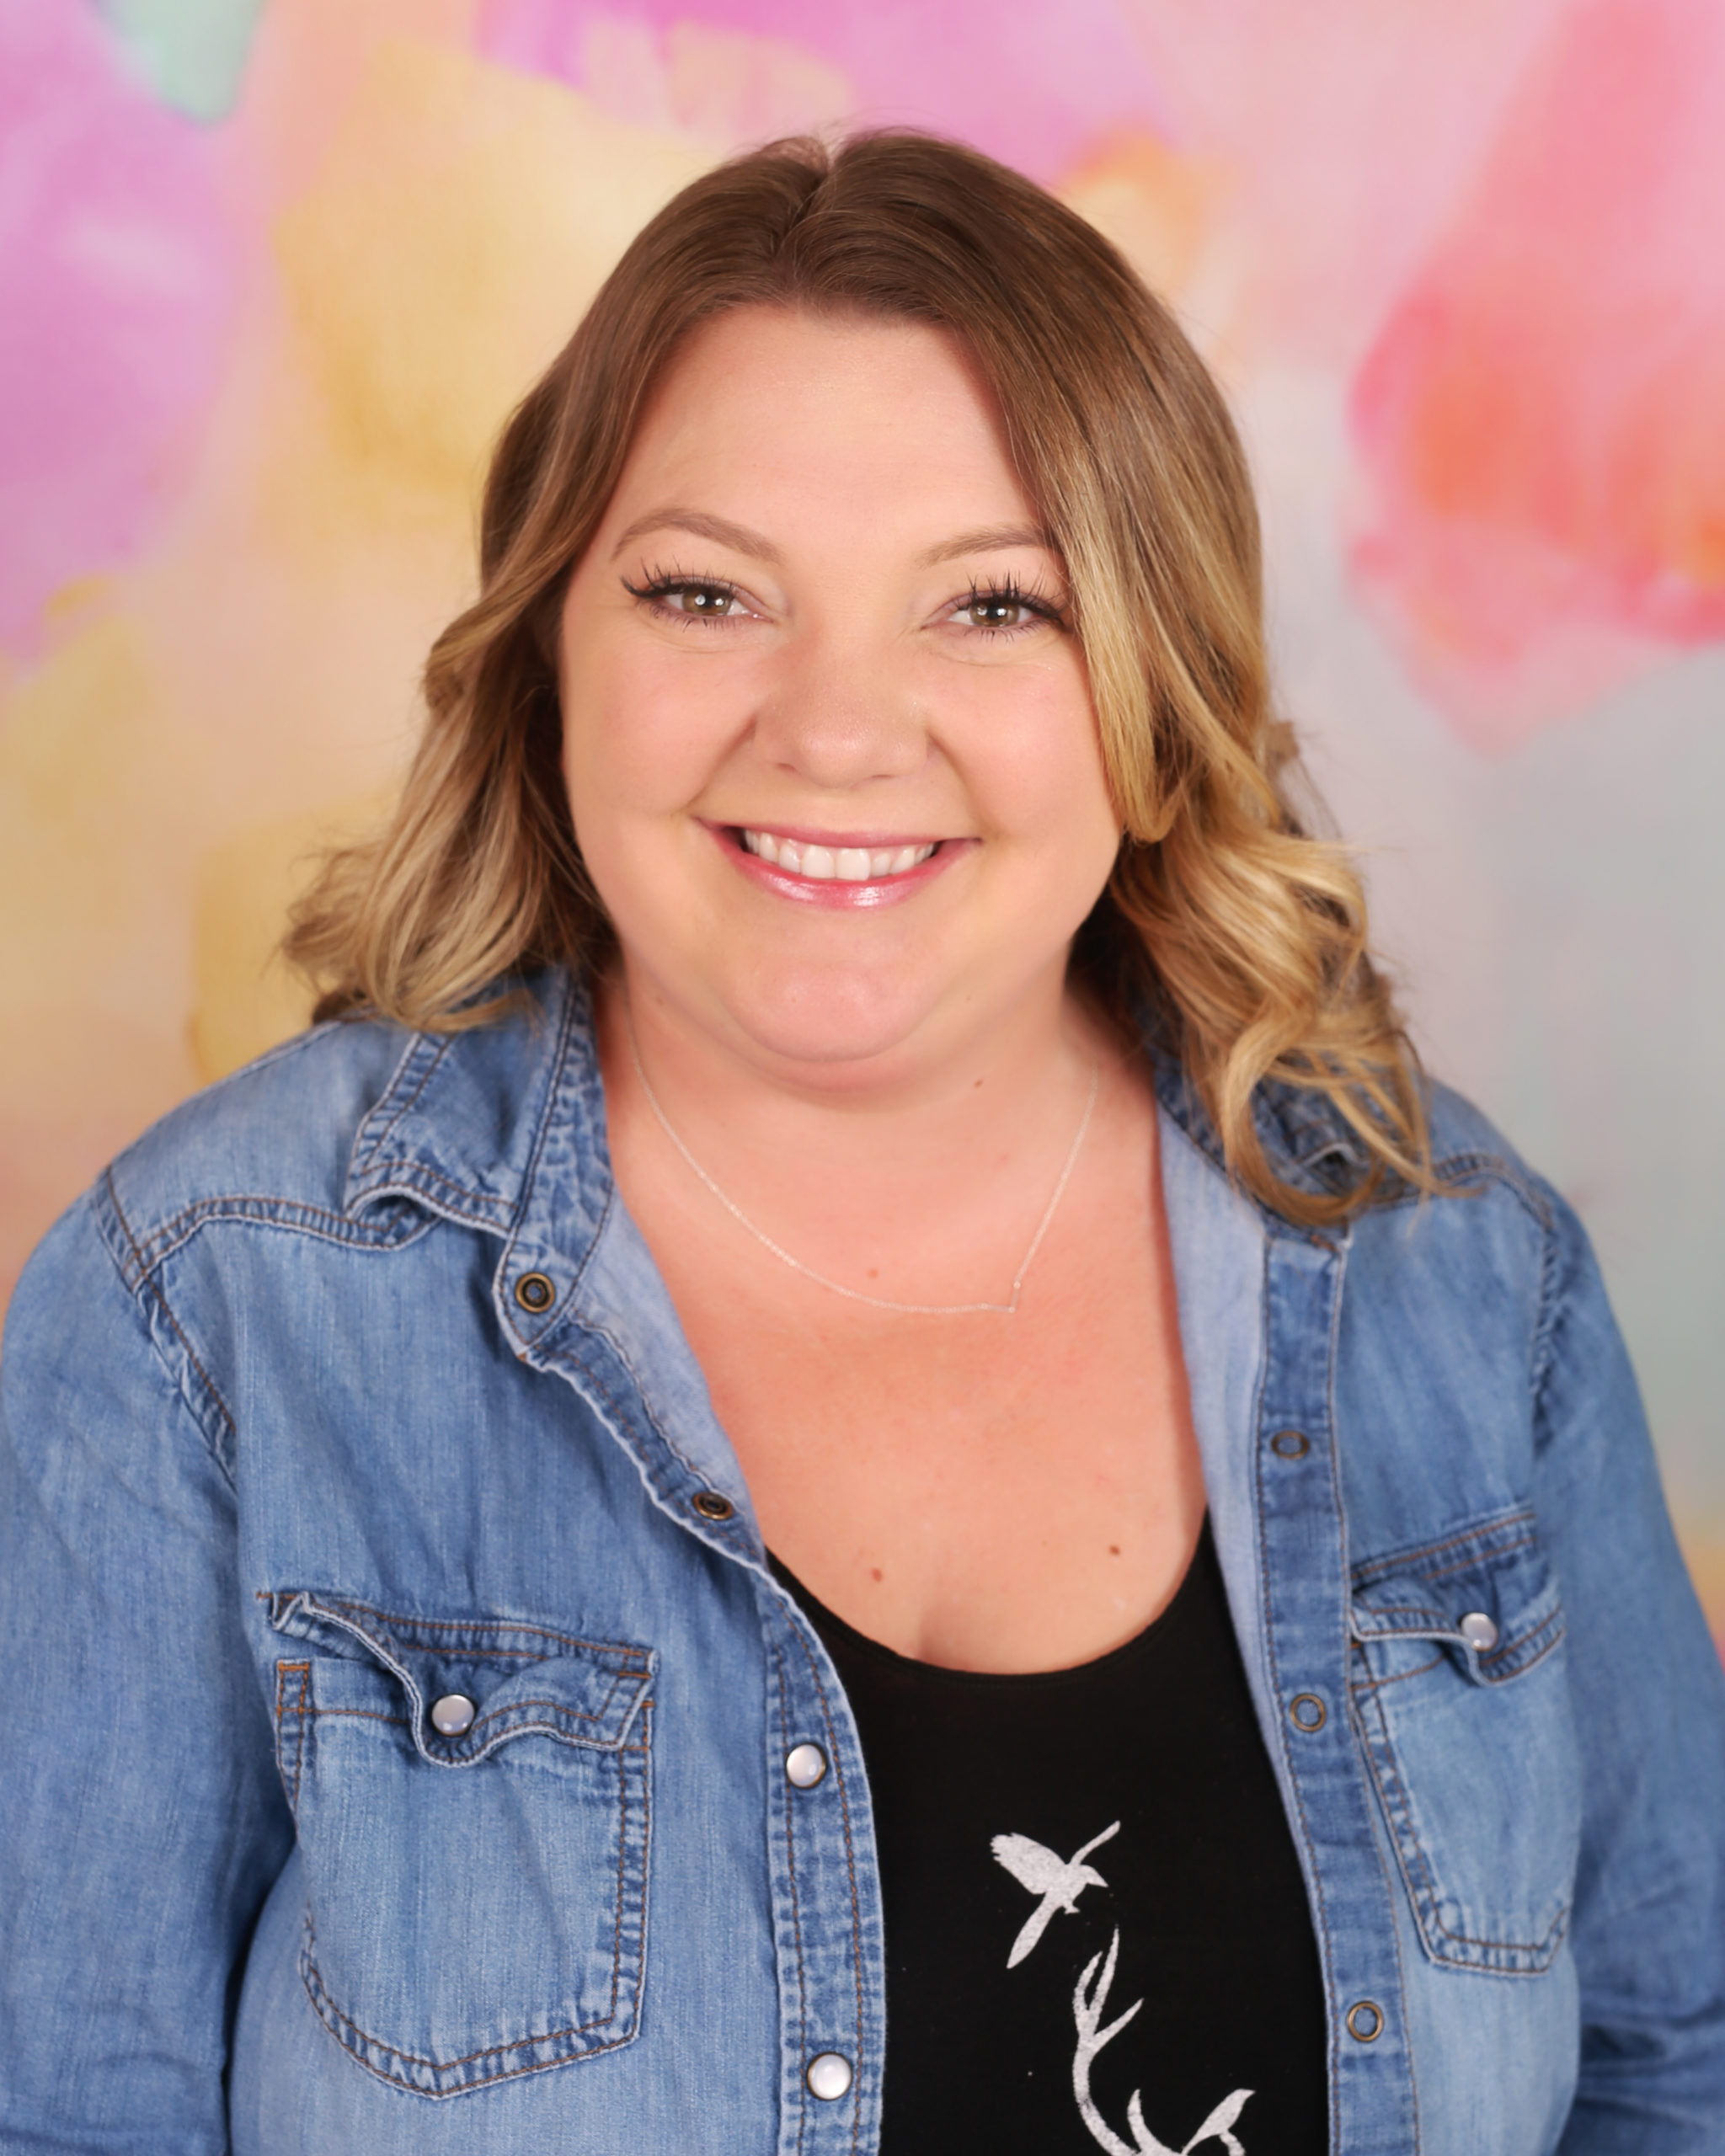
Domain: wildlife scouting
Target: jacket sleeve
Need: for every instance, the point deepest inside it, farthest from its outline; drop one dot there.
(141, 1818)
(1649, 1705)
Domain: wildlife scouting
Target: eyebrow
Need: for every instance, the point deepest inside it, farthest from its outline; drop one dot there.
(719, 529)
(988, 539)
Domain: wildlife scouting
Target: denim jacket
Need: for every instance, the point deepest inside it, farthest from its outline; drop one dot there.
(351, 1390)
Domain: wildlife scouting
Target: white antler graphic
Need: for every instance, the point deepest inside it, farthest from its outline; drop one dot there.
(1059, 1883)
(1089, 2003)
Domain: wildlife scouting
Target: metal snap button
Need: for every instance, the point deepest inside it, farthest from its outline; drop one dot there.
(1478, 1631)
(805, 1764)
(1290, 1444)
(452, 1715)
(1366, 2021)
(1306, 1711)
(712, 1504)
(828, 2076)
(536, 1291)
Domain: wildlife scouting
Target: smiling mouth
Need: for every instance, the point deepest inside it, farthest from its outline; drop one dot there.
(843, 864)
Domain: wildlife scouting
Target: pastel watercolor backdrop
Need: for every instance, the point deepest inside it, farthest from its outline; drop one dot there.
(272, 272)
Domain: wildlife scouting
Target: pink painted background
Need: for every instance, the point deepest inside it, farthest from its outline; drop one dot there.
(272, 271)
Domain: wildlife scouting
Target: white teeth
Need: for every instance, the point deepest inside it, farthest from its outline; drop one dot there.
(847, 864)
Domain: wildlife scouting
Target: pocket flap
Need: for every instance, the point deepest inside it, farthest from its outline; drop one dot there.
(1497, 1571)
(518, 1677)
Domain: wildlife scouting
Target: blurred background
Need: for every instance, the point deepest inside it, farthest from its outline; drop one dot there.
(272, 272)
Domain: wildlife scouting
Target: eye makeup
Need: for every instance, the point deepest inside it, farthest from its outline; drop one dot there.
(674, 594)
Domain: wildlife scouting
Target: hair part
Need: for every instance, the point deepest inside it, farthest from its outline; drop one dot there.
(1245, 933)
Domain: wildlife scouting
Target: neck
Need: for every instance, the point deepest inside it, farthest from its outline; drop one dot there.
(902, 1178)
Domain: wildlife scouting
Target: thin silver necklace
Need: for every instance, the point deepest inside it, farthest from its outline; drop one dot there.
(838, 1287)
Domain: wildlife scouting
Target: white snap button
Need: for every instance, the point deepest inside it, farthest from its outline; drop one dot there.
(805, 1765)
(452, 1715)
(1478, 1631)
(828, 2076)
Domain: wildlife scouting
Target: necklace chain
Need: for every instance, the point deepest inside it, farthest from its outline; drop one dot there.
(838, 1287)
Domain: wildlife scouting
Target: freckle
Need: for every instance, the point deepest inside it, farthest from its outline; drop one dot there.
(874, 1273)
(875, 1572)
(1113, 1549)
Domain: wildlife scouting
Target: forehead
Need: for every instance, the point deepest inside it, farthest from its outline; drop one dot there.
(784, 408)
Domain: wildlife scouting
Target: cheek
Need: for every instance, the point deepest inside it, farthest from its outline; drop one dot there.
(1034, 765)
(641, 736)
(622, 794)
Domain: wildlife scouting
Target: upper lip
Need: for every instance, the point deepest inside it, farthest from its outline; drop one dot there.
(835, 841)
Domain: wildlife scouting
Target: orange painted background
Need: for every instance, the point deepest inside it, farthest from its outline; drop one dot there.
(272, 272)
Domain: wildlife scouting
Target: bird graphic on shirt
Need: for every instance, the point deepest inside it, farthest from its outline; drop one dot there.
(1059, 1881)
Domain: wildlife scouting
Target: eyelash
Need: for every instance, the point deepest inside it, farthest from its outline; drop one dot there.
(1007, 591)
(663, 585)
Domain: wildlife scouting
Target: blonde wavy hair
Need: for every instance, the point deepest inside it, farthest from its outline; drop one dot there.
(1245, 934)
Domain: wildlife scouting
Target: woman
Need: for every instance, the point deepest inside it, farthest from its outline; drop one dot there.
(854, 1462)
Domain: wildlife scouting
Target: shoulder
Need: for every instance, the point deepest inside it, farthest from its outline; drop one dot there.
(278, 1134)
(241, 1209)
(1470, 1153)
(1494, 1268)
(92, 1340)
(357, 1131)
(1489, 1197)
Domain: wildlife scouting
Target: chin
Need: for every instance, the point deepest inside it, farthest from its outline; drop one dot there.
(838, 1024)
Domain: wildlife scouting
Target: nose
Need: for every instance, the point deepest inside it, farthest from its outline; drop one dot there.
(841, 714)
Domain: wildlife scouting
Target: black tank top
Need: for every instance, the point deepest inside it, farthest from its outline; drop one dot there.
(1097, 1931)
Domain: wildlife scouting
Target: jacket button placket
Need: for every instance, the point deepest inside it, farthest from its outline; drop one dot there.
(826, 1910)
(1305, 1601)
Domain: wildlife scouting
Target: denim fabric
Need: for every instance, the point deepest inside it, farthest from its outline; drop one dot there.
(288, 1460)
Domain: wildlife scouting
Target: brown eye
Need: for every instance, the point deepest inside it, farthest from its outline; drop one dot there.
(996, 610)
(706, 601)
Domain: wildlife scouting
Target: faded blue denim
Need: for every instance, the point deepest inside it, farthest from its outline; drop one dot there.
(286, 1459)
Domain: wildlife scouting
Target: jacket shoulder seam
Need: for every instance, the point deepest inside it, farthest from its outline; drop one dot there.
(1466, 1169)
(252, 1209)
(221, 1447)
(1550, 1302)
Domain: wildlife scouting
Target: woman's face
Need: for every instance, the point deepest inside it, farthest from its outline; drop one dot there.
(830, 747)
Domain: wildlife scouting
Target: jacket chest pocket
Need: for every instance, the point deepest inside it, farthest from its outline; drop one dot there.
(471, 1797)
(1462, 1701)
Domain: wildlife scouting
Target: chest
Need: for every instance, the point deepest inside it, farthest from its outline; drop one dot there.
(982, 1491)
(1092, 1901)
(533, 1509)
